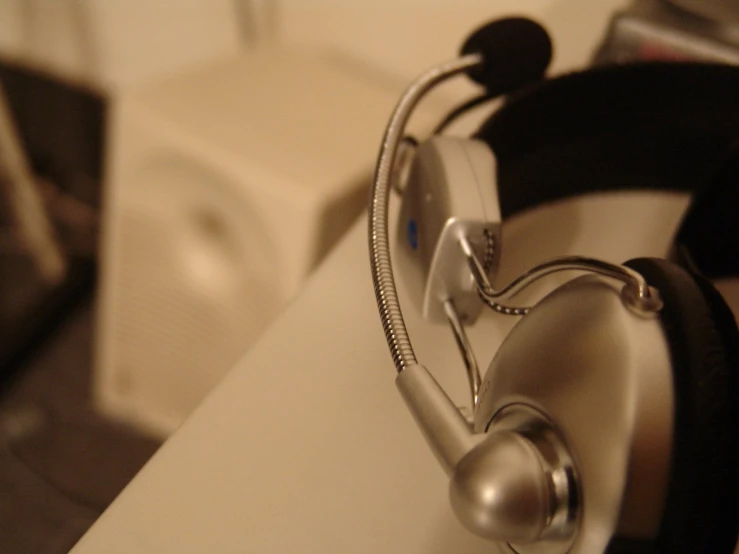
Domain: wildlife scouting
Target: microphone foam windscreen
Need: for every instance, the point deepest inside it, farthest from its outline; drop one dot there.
(516, 51)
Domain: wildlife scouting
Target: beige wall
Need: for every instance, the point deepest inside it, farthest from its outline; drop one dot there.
(121, 42)
(405, 36)
(117, 42)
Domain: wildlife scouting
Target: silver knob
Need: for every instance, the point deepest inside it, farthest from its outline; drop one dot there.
(517, 483)
(499, 490)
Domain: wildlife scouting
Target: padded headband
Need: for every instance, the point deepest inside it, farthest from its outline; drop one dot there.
(651, 126)
(708, 239)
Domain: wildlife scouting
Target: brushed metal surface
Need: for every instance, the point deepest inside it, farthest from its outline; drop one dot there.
(601, 373)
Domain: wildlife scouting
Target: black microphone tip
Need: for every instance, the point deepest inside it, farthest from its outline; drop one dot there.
(516, 51)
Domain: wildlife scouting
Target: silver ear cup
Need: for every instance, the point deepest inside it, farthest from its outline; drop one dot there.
(601, 373)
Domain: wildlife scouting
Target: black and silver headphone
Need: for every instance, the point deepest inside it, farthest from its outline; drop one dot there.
(608, 420)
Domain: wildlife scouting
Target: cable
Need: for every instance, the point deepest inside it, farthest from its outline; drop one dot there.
(462, 109)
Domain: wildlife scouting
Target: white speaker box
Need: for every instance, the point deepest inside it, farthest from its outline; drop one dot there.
(225, 186)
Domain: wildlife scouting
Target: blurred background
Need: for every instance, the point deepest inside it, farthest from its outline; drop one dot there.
(171, 172)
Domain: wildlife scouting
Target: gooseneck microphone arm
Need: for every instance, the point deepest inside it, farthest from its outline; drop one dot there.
(492, 475)
(506, 484)
(379, 246)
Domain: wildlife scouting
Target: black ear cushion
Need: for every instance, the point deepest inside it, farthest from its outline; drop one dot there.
(702, 507)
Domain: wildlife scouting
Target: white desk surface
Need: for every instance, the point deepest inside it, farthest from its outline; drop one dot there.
(307, 447)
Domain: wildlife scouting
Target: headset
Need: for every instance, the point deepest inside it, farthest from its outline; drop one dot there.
(608, 420)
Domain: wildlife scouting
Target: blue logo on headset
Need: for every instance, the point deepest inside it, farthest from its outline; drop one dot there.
(413, 234)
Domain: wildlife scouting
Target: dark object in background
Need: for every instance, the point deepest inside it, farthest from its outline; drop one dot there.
(62, 128)
(716, 10)
(675, 30)
(61, 463)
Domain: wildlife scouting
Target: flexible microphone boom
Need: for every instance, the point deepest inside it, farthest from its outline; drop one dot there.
(514, 484)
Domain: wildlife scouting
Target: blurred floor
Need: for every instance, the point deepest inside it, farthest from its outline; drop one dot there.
(60, 463)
